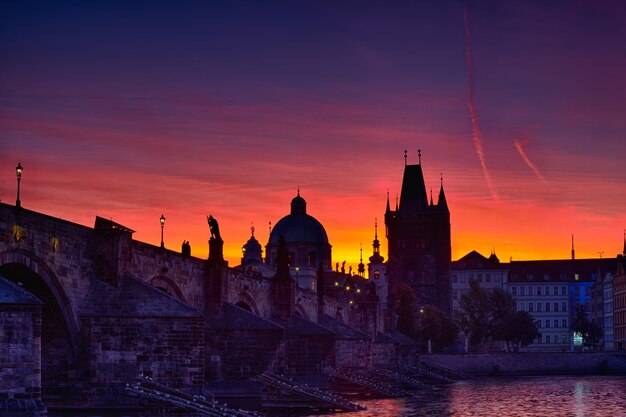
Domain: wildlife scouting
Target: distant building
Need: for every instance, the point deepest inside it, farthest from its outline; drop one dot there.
(619, 302)
(418, 233)
(551, 291)
(488, 272)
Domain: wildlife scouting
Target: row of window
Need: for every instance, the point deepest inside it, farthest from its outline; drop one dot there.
(538, 290)
(540, 306)
(554, 323)
(552, 339)
(462, 278)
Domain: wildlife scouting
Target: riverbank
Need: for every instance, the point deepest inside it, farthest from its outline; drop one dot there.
(532, 363)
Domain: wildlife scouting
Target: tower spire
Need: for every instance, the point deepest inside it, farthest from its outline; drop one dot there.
(419, 156)
(431, 196)
(405, 157)
(573, 252)
(396, 202)
(387, 210)
(376, 229)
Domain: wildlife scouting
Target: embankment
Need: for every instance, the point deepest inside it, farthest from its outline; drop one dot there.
(548, 363)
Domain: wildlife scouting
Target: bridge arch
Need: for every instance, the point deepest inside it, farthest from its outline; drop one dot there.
(300, 311)
(59, 324)
(245, 301)
(168, 286)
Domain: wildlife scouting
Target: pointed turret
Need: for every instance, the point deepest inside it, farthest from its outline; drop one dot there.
(624, 251)
(361, 267)
(376, 258)
(442, 204)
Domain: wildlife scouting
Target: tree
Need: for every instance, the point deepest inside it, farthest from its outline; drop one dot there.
(405, 304)
(473, 317)
(518, 329)
(591, 332)
(491, 315)
(438, 327)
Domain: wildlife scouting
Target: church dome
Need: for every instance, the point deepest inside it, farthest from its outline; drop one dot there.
(305, 237)
(299, 227)
(252, 251)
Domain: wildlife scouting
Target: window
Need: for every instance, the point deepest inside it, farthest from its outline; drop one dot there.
(538, 290)
(564, 339)
(556, 323)
(547, 338)
(487, 277)
(555, 290)
(514, 290)
(563, 290)
(521, 290)
(547, 323)
(547, 306)
(556, 306)
(546, 290)
(564, 323)
(531, 306)
(479, 277)
(538, 306)
(455, 278)
(538, 324)
(564, 306)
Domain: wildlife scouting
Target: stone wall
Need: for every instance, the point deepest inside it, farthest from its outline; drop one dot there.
(239, 354)
(182, 276)
(170, 350)
(353, 354)
(307, 354)
(384, 355)
(532, 363)
(20, 352)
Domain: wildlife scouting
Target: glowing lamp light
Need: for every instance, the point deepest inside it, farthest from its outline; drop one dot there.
(18, 172)
(162, 220)
(336, 284)
(348, 288)
(578, 339)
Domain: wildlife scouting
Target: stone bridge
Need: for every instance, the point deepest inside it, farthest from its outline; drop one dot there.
(113, 307)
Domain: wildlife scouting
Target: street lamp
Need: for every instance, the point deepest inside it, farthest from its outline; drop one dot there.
(162, 225)
(18, 172)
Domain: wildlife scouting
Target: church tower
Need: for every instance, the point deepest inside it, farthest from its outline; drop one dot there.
(418, 234)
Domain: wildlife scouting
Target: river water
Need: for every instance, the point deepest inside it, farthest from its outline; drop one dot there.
(546, 396)
(601, 396)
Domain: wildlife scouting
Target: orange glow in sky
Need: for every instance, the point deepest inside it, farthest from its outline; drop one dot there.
(226, 108)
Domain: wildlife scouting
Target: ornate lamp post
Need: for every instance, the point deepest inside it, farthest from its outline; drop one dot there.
(18, 172)
(162, 226)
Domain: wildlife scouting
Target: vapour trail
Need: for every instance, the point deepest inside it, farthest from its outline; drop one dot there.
(476, 136)
(521, 148)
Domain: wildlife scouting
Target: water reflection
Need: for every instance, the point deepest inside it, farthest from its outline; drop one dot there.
(519, 397)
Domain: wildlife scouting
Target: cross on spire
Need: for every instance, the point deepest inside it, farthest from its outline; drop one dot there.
(419, 156)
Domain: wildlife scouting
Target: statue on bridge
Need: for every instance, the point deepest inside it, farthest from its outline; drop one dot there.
(214, 227)
(216, 244)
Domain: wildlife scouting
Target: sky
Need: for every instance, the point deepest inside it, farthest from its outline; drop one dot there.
(130, 110)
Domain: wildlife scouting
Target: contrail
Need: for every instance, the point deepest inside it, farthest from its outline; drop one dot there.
(476, 136)
(521, 148)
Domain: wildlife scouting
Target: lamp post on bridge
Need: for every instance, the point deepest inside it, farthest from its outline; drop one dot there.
(18, 172)
(162, 219)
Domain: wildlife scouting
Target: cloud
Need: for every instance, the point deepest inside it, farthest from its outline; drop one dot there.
(476, 135)
(520, 145)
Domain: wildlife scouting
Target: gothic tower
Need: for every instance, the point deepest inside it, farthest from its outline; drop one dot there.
(418, 234)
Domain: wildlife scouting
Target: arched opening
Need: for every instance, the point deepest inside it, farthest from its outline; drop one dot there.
(244, 306)
(168, 286)
(245, 301)
(59, 369)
